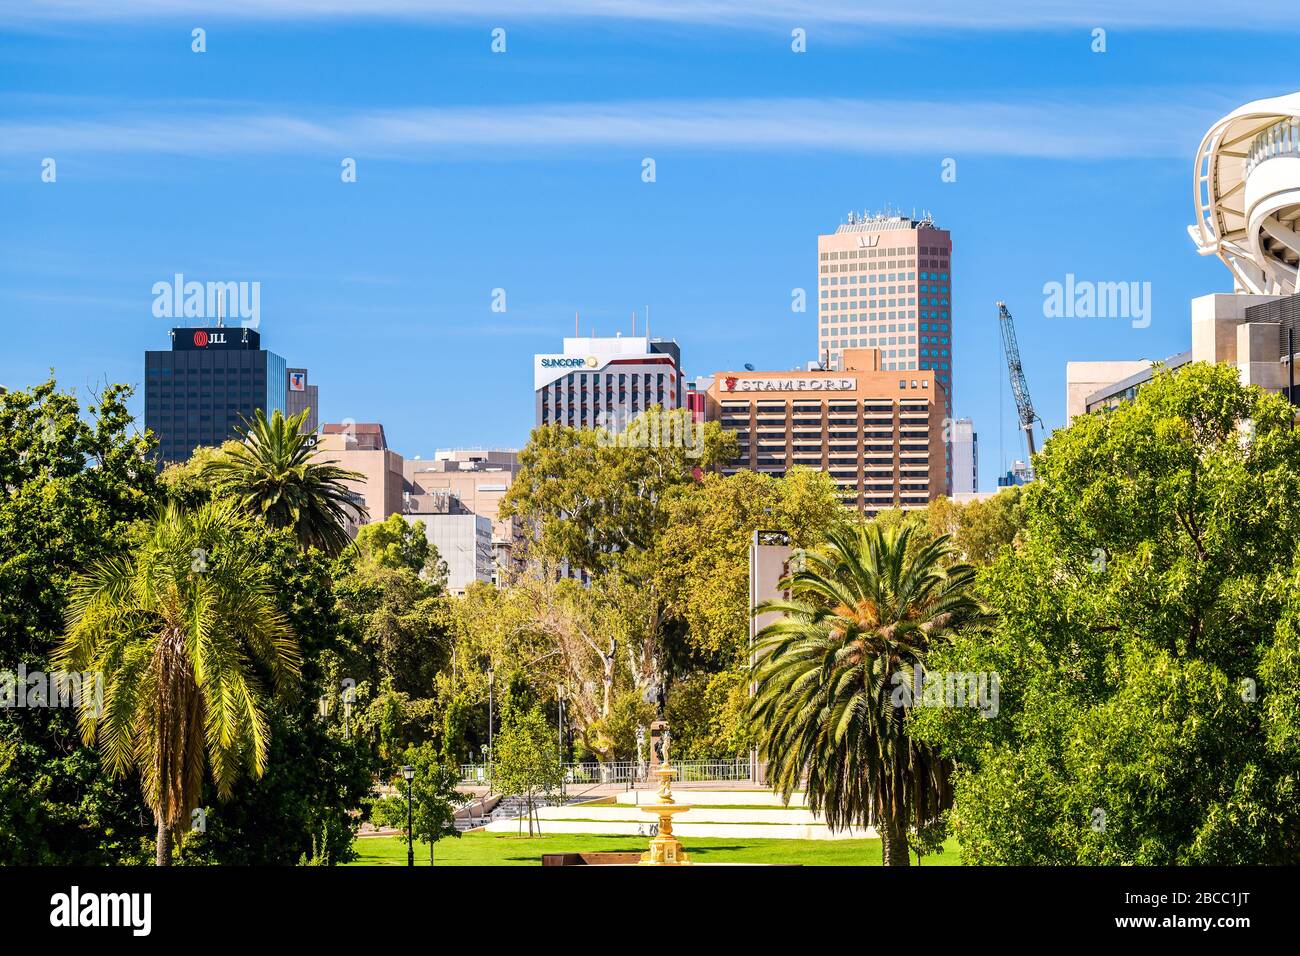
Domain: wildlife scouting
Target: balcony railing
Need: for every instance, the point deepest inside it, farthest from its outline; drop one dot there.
(1280, 139)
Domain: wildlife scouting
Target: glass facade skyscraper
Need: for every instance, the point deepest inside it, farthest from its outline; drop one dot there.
(211, 379)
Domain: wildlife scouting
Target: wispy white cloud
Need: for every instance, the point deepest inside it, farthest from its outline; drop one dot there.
(955, 14)
(1065, 129)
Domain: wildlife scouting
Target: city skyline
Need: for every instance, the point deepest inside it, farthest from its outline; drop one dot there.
(384, 288)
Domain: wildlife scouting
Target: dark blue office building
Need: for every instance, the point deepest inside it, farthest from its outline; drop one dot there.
(198, 392)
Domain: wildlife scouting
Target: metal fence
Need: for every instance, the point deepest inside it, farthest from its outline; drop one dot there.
(629, 772)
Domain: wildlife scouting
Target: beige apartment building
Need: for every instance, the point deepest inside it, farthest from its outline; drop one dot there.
(362, 447)
(879, 433)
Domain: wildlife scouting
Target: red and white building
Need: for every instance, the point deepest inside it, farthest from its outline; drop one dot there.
(601, 382)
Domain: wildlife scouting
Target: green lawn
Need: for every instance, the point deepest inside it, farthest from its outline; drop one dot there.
(506, 849)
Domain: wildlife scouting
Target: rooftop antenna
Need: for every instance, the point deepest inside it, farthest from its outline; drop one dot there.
(647, 323)
(221, 303)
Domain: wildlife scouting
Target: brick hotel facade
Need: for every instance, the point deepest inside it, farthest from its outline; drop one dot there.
(878, 432)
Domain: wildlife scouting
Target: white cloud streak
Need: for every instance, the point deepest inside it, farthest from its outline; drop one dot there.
(887, 14)
(1066, 129)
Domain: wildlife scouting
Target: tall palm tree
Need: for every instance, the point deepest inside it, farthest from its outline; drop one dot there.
(183, 630)
(275, 474)
(862, 614)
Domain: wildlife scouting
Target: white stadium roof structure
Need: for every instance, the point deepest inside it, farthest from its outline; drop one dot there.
(1247, 194)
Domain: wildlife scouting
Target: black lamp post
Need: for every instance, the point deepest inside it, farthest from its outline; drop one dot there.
(639, 769)
(408, 773)
(559, 701)
(492, 682)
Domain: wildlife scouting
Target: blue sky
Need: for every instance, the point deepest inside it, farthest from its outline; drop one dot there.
(522, 171)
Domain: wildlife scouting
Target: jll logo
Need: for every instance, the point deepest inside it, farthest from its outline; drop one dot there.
(202, 339)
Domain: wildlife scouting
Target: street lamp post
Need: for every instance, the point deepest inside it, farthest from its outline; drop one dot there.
(492, 680)
(408, 773)
(559, 698)
(640, 749)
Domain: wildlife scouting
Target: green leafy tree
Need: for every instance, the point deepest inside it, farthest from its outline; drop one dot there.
(616, 732)
(397, 624)
(73, 478)
(275, 474)
(595, 502)
(709, 715)
(1147, 642)
(176, 628)
(526, 762)
(434, 798)
(862, 616)
(702, 557)
(320, 771)
(399, 545)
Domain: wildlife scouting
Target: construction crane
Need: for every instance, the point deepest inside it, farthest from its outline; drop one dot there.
(1019, 387)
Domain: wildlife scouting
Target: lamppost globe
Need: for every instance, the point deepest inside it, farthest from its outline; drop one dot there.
(408, 773)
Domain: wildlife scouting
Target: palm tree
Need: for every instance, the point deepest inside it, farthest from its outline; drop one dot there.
(861, 615)
(183, 630)
(274, 473)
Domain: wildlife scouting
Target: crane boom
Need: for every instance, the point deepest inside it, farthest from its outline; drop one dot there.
(1019, 387)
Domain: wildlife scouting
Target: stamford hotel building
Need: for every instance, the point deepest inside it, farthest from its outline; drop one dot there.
(878, 432)
(873, 413)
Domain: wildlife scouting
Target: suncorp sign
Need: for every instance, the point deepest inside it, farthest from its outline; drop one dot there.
(588, 362)
(550, 368)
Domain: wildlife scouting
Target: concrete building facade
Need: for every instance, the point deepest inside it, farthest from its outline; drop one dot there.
(302, 396)
(965, 456)
(468, 481)
(464, 544)
(878, 433)
(1246, 202)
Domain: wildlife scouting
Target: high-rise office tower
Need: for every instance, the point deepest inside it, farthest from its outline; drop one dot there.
(199, 392)
(885, 281)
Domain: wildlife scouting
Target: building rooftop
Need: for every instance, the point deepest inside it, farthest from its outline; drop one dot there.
(882, 221)
(367, 436)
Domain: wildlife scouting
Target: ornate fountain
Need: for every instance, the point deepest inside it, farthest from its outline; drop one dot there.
(665, 849)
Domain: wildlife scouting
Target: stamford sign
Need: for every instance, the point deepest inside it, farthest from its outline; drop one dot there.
(734, 384)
